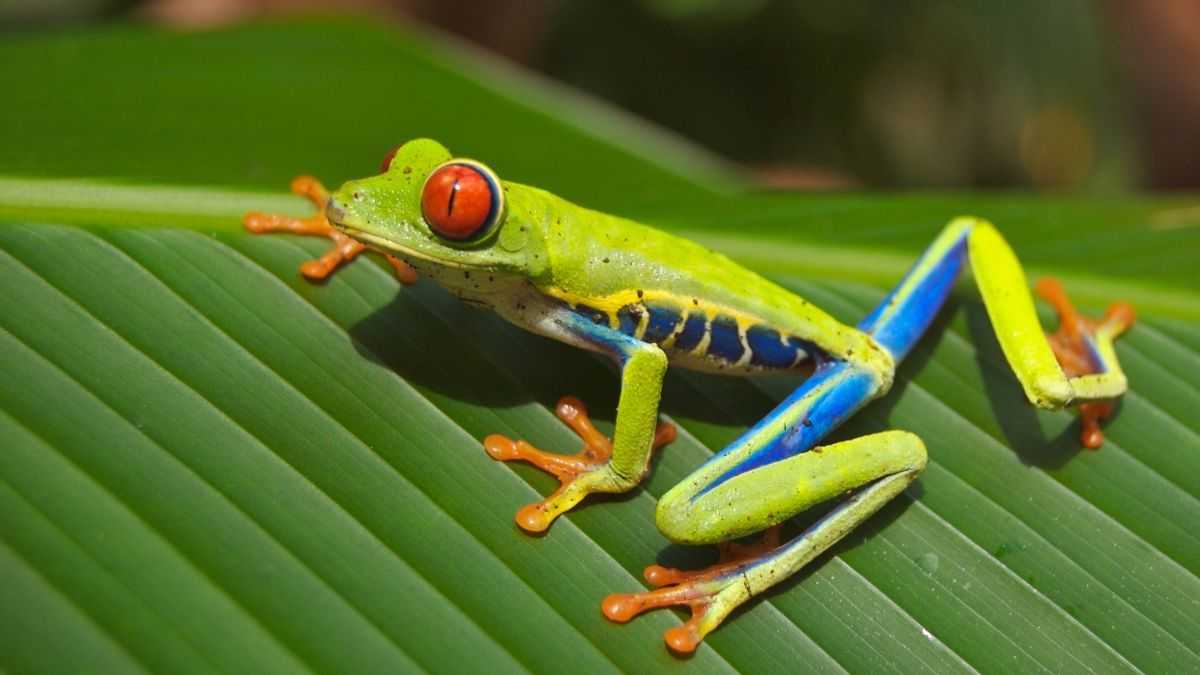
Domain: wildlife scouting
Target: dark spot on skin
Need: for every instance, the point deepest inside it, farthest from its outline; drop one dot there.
(695, 302)
(522, 228)
(604, 261)
(598, 317)
(639, 293)
(407, 169)
(818, 449)
(466, 274)
(491, 278)
(807, 422)
(628, 318)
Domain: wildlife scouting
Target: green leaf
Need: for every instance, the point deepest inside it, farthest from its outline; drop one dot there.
(210, 464)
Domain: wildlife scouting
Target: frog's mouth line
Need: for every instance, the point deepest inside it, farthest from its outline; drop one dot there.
(380, 244)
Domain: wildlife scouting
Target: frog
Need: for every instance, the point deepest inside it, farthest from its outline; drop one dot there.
(649, 300)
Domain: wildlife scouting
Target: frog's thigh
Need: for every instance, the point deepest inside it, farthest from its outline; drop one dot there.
(884, 462)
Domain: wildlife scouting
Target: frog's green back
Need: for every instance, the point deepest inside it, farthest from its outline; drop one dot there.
(615, 267)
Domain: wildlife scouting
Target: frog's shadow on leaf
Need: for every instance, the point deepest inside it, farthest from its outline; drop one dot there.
(1018, 420)
(438, 343)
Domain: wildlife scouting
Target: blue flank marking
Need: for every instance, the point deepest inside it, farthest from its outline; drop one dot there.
(834, 392)
(692, 333)
(724, 341)
(768, 349)
(662, 322)
(916, 311)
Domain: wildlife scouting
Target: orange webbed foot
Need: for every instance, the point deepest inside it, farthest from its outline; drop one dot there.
(578, 475)
(344, 248)
(696, 595)
(710, 593)
(1070, 344)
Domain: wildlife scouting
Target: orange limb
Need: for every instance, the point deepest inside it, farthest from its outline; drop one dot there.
(572, 471)
(698, 590)
(1074, 355)
(344, 248)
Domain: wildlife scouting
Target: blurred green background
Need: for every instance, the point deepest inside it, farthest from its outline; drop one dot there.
(1072, 94)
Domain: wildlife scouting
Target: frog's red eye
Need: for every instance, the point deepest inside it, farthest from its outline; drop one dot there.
(387, 160)
(461, 200)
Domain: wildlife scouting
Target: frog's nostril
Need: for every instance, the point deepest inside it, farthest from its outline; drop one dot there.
(334, 212)
(357, 196)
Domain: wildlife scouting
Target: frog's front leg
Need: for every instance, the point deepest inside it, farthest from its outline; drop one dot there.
(603, 465)
(344, 248)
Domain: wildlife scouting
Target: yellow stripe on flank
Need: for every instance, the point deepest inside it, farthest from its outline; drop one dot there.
(609, 304)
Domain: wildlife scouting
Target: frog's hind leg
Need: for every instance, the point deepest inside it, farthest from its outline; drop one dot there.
(344, 248)
(1075, 366)
(774, 471)
(885, 463)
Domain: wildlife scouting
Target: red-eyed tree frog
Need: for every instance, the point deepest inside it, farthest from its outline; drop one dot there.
(647, 299)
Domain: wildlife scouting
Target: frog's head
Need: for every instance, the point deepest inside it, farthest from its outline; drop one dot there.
(443, 215)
